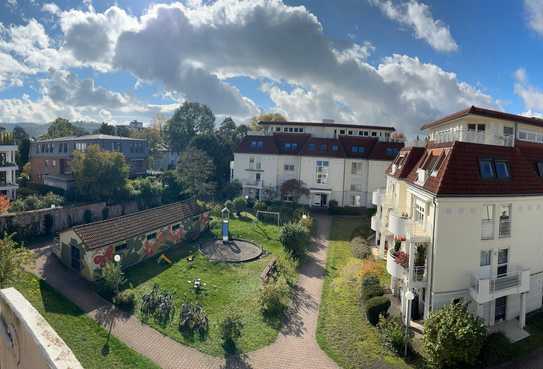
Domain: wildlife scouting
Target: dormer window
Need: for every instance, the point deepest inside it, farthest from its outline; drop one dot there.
(335, 147)
(323, 147)
(539, 165)
(257, 145)
(311, 147)
(502, 169)
(358, 149)
(391, 152)
(486, 168)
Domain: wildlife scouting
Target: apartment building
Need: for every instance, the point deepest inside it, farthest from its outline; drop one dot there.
(341, 162)
(8, 167)
(460, 219)
(50, 159)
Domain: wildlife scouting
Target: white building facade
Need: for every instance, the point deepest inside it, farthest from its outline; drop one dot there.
(8, 167)
(460, 219)
(340, 162)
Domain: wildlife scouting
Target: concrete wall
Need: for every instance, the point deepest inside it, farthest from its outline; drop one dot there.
(27, 341)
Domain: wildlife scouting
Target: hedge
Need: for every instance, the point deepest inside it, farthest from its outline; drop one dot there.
(371, 291)
(375, 307)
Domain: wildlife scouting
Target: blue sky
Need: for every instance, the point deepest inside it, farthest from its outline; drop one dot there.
(367, 61)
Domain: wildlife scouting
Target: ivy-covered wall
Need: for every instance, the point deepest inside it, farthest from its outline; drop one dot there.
(138, 248)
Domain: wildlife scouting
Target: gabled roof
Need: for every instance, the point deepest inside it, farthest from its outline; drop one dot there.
(405, 161)
(325, 124)
(110, 231)
(90, 138)
(474, 110)
(459, 173)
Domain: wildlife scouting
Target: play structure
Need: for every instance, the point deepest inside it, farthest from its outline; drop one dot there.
(264, 216)
(225, 213)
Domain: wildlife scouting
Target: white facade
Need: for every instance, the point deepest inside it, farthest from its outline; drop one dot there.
(484, 250)
(8, 171)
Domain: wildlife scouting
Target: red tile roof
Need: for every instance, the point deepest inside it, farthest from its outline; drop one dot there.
(110, 231)
(409, 156)
(275, 144)
(474, 110)
(324, 124)
(459, 173)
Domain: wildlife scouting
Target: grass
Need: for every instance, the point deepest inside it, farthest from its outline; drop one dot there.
(343, 332)
(82, 334)
(230, 288)
(534, 325)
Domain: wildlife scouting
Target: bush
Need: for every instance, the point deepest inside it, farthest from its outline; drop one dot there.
(332, 204)
(370, 279)
(193, 318)
(376, 307)
(87, 216)
(360, 248)
(230, 329)
(294, 238)
(239, 204)
(260, 205)
(286, 267)
(308, 223)
(453, 337)
(157, 303)
(113, 277)
(371, 291)
(496, 349)
(392, 334)
(125, 300)
(274, 297)
(230, 205)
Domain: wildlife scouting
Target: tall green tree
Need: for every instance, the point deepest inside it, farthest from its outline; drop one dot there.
(218, 151)
(106, 129)
(23, 146)
(13, 259)
(266, 117)
(230, 133)
(100, 175)
(188, 121)
(61, 127)
(195, 173)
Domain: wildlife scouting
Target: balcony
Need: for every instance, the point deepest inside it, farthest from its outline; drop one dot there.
(7, 139)
(378, 197)
(485, 289)
(253, 183)
(394, 268)
(487, 229)
(375, 223)
(6, 165)
(504, 228)
(465, 135)
(398, 224)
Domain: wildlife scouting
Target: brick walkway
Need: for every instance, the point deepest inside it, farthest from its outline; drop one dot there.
(295, 347)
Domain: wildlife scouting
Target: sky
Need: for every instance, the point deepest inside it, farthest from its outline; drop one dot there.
(381, 62)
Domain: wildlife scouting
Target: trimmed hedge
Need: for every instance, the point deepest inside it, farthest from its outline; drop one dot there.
(370, 279)
(371, 291)
(360, 248)
(375, 307)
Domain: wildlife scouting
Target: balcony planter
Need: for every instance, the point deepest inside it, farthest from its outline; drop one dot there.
(394, 268)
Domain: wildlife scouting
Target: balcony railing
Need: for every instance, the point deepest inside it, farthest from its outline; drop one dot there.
(7, 138)
(378, 197)
(484, 289)
(254, 183)
(487, 229)
(505, 228)
(473, 137)
(375, 223)
(5, 164)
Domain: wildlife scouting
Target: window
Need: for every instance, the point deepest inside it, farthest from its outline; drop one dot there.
(257, 177)
(289, 167)
(121, 247)
(486, 168)
(257, 145)
(419, 213)
(350, 133)
(485, 257)
(361, 133)
(502, 169)
(487, 222)
(374, 134)
(366, 133)
(391, 152)
(321, 169)
(505, 221)
(151, 236)
(176, 227)
(341, 131)
(277, 129)
(258, 165)
(285, 129)
(295, 129)
(323, 147)
(539, 165)
(311, 147)
(356, 187)
(290, 146)
(301, 130)
(503, 260)
(358, 149)
(251, 163)
(290, 129)
(334, 147)
(476, 127)
(356, 168)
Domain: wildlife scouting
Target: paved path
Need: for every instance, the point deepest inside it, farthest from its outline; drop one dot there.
(295, 347)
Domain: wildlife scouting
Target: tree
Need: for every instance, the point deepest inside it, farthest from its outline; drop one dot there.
(147, 191)
(195, 173)
(294, 188)
(231, 134)
(23, 146)
(122, 131)
(230, 329)
(153, 137)
(295, 238)
(172, 189)
(453, 337)
(13, 259)
(61, 127)
(113, 277)
(219, 152)
(266, 117)
(100, 175)
(106, 129)
(188, 121)
(239, 204)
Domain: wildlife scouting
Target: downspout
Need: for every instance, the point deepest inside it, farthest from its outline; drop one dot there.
(429, 294)
(343, 192)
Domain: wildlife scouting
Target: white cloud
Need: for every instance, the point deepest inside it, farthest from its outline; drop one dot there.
(51, 8)
(418, 16)
(532, 97)
(534, 11)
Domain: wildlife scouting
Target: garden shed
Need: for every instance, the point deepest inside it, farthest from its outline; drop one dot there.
(135, 237)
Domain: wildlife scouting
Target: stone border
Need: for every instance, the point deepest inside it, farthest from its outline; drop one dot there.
(234, 261)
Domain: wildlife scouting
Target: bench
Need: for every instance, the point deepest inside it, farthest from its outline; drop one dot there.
(269, 270)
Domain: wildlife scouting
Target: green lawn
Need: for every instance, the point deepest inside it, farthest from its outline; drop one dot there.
(84, 336)
(230, 288)
(343, 332)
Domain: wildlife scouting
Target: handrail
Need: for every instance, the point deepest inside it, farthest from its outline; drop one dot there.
(467, 135)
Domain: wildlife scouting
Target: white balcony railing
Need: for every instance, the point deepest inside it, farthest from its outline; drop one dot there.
(378, 196)
(397, 224)
(254, 183)
(484, 289)
(504, 228)
(471, 136)
(375, 223)
(393, 267)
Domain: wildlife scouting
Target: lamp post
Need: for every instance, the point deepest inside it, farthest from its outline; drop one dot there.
(105, 349)
(409, 296)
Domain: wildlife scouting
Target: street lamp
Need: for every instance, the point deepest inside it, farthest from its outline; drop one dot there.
(304, 216)
(409, 296)
(105, 349)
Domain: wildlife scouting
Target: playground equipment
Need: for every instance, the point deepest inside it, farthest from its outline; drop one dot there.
(225, 213)
(165, 259)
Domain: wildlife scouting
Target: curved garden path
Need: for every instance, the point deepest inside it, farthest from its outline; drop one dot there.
(295, 347)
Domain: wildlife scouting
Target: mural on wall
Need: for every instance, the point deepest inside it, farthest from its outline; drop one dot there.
(101, 259)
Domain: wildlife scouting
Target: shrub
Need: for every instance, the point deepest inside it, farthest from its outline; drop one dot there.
(371, 291)
(260, 205)
(126, 300)
(113, 277)
(157, 303)
(48, 222)
(239, 204)
(105, 213)
(360, 248)
(230, 329)
(274, 297)
(32, 202)
(308, 223)
(496, 349)
(87, 216)
(392, 334)
(294, 238)
(230, 205)
(453, 337)
(375, 307)
(286, 267)
(193, 318)
(332, 204)
(370, 279)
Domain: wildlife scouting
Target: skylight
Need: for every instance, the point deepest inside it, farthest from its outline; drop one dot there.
(540, 168)
(486, 168)
(502, 169)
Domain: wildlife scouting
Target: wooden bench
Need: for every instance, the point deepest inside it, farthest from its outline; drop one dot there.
(269, 270)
